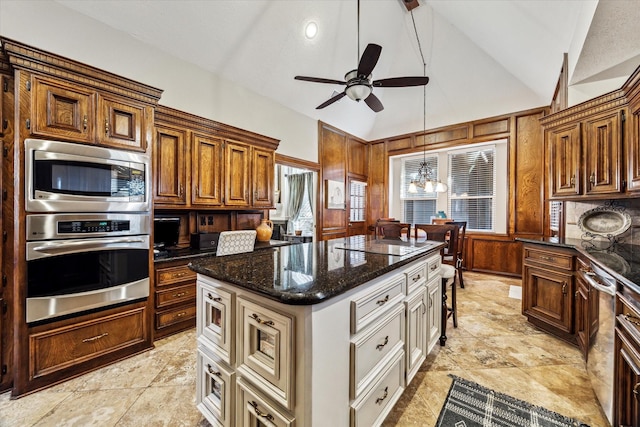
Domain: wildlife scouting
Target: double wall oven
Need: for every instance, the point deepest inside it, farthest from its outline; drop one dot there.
(87, 228)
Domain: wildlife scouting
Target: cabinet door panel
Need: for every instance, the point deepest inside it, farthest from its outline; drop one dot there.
(206, 170)
(169, 166)
(121, 124)
(62, 111)
(263, 172)
(547, 297)
(564, 151)
(633, 149)
(236, 171)
(602, 154)
(627, 380)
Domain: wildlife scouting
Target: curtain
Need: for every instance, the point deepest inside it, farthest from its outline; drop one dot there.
(296, 195)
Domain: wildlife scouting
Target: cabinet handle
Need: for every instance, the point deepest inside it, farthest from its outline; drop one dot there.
(260, 321)
(592, 178)
(180, 294)
(180, 190)
(212, 298)
(416, 278)
(384, 396)
(383, 301)
(106, 127)
(182, 314)
(546, 258)
(572, 181)
(97, 337)
(259, 413)
(635, 390)
(564, 288)
(434, 267)
(632, 319)
(381, 346)
(212, 372)
(85, 122)
(430, 302)
(178, 275)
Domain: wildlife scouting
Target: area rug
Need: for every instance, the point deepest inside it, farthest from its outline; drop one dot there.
(471, 405)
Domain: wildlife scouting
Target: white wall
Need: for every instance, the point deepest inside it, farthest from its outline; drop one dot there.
(50, 26)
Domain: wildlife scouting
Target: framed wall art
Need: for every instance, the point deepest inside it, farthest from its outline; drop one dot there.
(334, 194)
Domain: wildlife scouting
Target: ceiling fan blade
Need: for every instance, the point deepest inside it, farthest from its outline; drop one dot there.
(401, 82)
(374, 103)
(319, 80)
(331, 100)
(369, 59)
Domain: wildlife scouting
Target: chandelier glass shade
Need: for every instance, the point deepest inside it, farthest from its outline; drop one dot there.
(426, 181)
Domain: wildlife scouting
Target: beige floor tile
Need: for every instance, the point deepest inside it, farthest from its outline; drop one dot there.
(179, 370)
(27, 410)
(173, 406)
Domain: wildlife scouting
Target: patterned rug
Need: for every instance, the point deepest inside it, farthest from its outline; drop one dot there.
(472, 405)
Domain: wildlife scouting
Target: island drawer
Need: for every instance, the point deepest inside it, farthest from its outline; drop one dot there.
(371, 347)
(214, 390)
(176, 295)
(215, 324)
(433, 266)
(171, 275)
(265, 349)
(368, 307)
(66, 346)
(254, 410)
(378, 400)
(547, 257)
(416, 277)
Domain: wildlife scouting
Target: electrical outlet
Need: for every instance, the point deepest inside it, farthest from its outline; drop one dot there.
(203, 220)
(210, 219)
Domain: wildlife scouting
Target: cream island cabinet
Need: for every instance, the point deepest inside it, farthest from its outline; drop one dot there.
(314, 334)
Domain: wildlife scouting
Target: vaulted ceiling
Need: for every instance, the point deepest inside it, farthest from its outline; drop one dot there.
(484, 58)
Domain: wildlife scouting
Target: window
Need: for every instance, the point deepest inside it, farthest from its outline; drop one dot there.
(555, 216)
(472, 187)
(419, 207)
(357, 207)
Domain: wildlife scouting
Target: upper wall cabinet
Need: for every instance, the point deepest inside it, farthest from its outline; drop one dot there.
(75, 113)
(230, 168)
(584, 147)
(632, 152)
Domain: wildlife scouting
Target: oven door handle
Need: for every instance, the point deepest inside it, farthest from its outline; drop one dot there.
(47, 249)
(589, 278)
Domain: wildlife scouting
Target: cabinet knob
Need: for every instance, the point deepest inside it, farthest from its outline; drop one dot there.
(106, 127)
(85, 122)
(592, 178)
(573, 181)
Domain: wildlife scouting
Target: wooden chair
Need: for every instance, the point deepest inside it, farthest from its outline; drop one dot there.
(444, 233)
(391, 229)
(456, 257)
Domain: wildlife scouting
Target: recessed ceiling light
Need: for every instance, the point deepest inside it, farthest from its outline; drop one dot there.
(311, 30)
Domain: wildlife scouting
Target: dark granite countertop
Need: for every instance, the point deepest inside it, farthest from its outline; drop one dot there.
(309, 273)
(189, 253)
(621, 260)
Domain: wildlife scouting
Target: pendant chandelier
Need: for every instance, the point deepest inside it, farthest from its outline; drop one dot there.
(427, 176)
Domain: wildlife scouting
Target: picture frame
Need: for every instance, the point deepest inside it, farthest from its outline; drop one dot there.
(334, 194)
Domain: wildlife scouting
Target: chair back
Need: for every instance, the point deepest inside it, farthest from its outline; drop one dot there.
(386, 229)
(442, 233)
(459, 251)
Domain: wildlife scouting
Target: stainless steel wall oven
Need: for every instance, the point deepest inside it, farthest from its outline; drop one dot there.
(79, 262)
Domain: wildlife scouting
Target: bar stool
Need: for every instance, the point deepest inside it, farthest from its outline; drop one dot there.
(444, 233)
(456, 258)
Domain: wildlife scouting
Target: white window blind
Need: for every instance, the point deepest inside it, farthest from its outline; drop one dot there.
(555, 213)
(472, 187)
(357, 207)
(418, 207)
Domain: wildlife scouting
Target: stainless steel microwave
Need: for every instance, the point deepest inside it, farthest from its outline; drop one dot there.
(67, 177)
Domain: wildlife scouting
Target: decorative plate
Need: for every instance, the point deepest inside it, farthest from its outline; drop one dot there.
(613, 261)
(604, 221)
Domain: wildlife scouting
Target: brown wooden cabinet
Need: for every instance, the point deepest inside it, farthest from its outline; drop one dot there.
(627, 364)
(82, 114)
(548, 289)
(564, 161)
(262, 171)
(169, 166)
(602, 153)
(237, 174)
(206, 168)
(633, 147)
(174, 298)
(582, 321)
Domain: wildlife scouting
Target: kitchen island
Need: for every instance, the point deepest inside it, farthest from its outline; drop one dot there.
(324, 333)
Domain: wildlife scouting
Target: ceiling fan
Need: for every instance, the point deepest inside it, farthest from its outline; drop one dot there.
(358, 81)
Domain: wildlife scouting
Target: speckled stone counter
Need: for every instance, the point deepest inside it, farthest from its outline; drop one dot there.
(309, 273)
(189, 253)
(622, 261)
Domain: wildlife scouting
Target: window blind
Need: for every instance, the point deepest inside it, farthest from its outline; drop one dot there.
(418, 207)
(357, 208)
(472, 187)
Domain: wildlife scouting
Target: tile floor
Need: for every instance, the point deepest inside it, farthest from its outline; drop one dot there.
(493, 345)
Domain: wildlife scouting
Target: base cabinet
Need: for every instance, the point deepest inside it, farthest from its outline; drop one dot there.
(174, 298)
(627, 363)
(341, 362)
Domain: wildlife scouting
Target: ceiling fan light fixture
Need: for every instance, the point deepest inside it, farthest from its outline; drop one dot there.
(358, 91)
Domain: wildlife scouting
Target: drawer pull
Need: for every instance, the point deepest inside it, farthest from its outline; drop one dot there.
(632, 319)
(212, 298)
(97, 337)
(434, 267)
(416, 278)
(84, 122)
(383, 301)
(546, 258)
(384, 396)
(178, 275)
(180, 294)
(212, 372)
(262, 322)
(181, 314)
(259, 412)
(564, 288)
(381, 346)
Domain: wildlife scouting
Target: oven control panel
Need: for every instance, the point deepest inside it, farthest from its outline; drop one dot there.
(73, 227)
